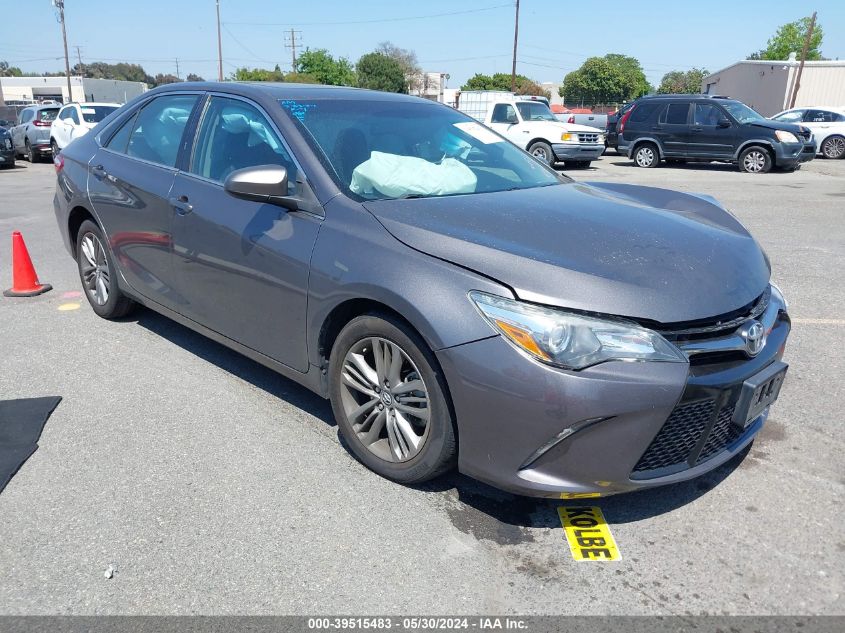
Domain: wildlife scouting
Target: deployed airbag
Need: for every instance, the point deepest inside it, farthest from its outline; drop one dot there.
(396, 176)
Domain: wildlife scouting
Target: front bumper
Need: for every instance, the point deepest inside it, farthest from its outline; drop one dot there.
(509, 406)
(7, 156)
(578, 151)
(790, 154)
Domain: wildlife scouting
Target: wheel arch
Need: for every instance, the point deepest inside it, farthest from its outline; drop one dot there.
(764, 143)
(76, 217)
(647, 139)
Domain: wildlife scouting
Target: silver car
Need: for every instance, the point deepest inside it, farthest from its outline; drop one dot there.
(31, 136)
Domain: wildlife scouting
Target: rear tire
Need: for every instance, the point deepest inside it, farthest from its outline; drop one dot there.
(646, 155)
(98, 274)
(29, 153)
(833, 147)
(542, 151)
(755, 160)
(375, 417)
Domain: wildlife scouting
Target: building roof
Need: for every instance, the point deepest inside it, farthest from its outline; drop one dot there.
(832, 63)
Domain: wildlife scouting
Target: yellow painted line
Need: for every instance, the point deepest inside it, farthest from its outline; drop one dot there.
(819, 321)
(66, 307)
(588, 534)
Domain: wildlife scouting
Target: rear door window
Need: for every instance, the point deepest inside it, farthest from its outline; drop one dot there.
(675, 114)
(820, 116)
(158, 128)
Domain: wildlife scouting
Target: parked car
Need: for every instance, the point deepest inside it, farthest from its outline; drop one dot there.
(530, 124)
(31, 136)
(7, 150)
(5, 124)
(590, 119)
(459, 302)
(827, 125)
(611, 136)
(75, 120)
(710, 128)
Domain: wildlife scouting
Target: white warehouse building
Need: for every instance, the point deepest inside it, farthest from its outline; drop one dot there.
(82, 89)
(767, 85)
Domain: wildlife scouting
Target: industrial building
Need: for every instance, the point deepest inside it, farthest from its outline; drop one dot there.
(82, 89)
(767, 85)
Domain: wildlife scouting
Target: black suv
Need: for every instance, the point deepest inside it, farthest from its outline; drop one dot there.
(708, 127)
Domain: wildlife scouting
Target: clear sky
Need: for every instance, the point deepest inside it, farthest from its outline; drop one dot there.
(456, 37)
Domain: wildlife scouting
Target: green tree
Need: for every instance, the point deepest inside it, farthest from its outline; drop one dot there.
(377, 71)
(161, 79)
(598, 81)
(258, 74)
(789, 38)
(193, 77)
(502, 81)
(120, 71)
(682, 81)
(605, 80)
(9, 71)
(635, 79)
(407, 59)
(325, 68)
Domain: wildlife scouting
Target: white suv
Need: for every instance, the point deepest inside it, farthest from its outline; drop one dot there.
(75, 119)
(827, 125)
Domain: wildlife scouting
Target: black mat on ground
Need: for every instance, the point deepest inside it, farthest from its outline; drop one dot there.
(21, 423)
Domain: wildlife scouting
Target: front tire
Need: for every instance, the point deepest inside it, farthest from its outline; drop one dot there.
(755, 160)
(647, 155)
(98, 274)
(390, 400)
(54, 148)
(542, 151)
(833, 147)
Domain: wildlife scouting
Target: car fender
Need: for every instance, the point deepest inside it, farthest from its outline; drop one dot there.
(355, 258)
(755, 141)
(642, 139)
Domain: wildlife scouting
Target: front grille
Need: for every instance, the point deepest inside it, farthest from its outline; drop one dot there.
(587, 137)
(678, 436)
(724, 432)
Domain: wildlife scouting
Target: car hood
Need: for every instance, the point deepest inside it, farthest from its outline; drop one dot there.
(625, 250)
(565, 127)
(777, 125)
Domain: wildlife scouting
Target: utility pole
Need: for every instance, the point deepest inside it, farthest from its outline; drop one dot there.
(78, 53)
(60, 5)
(177, 68)
(219, 47)
(803, 59)
(290, 42)
(515, 39)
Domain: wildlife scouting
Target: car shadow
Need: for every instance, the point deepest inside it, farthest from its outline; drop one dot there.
(473, 506)
(236, 364)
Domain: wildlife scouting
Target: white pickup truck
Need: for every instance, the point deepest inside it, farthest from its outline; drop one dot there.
(530, 124)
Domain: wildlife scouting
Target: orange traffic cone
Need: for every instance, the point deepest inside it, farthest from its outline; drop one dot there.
(24, 280)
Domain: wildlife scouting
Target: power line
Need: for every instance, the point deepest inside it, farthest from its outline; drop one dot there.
(254, 57)
(414, 17)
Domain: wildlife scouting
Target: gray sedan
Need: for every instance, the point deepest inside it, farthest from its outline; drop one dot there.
(461, 304)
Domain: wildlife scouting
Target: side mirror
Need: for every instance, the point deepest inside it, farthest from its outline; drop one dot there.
(264, 183)
(723, 123)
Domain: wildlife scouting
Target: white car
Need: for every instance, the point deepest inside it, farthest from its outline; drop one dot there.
(826, 123)
(74, 120)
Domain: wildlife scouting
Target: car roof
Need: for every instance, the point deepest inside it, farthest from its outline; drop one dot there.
(290, 90)
(94, 103)
(686, 96)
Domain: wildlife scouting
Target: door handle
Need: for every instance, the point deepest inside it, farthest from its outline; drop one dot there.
(99, 171)
(181, 205)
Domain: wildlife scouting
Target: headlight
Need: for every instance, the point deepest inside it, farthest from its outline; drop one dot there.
(786, 137)
(601, 139)
(570, 340)
(569, 136)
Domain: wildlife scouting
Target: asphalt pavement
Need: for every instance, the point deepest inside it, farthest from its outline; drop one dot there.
(214, 486)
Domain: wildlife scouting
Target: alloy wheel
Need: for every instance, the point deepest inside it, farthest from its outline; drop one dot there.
(385, 399)
(645, 156)
(95, 269)
(754, 161)
(834, 147)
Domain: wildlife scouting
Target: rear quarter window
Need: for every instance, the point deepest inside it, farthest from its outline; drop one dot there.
(643, 112)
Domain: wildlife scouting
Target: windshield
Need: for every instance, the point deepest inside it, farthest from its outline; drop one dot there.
(95, 114)
(391, 149)
(48, 114)
(535, 111)
(742, 112)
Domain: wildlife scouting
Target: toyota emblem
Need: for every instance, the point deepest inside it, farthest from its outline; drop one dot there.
(754, 334)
